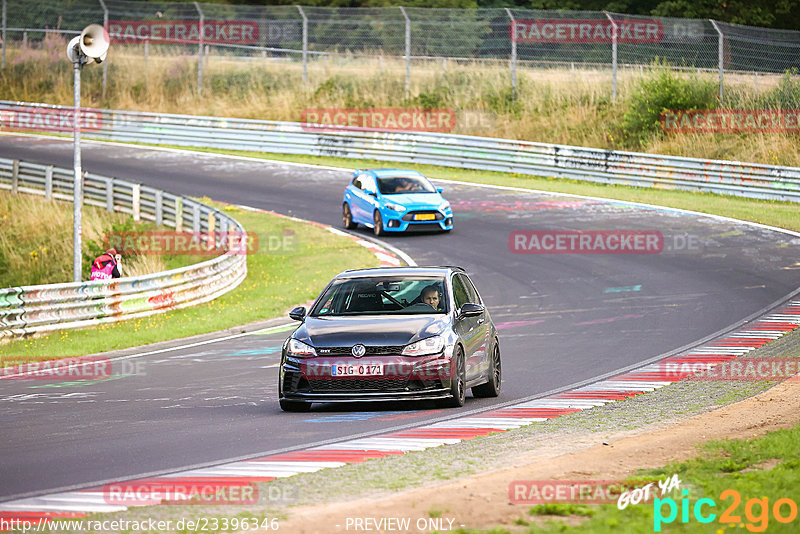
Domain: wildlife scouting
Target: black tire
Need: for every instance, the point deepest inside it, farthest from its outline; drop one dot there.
(378, 220)
(347, 217)
(294, 406)
(458, 383)
(492, 387)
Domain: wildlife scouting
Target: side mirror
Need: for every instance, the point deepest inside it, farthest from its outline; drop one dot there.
(298, 314)
(370, 192)
(440, 189)
(471, 310)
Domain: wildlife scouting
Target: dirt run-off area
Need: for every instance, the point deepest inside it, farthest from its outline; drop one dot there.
(482, 501)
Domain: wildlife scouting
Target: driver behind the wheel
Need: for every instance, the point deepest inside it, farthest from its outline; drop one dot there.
(430, 296)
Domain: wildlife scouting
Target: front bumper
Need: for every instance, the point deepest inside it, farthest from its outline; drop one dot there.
(403, 222)
(406, 378)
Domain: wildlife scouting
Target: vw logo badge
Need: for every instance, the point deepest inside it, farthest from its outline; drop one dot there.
(358, 350)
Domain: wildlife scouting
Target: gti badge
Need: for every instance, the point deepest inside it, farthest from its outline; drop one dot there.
(358, 350)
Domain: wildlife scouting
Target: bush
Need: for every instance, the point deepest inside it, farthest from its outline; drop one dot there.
(786, 95)
(502, 101)
(433, 99)
(661, 92)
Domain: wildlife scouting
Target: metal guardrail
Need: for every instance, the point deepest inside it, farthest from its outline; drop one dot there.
(43, 308)
(462, 151)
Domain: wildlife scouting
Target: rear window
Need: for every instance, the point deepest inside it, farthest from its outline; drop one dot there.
(383, 295)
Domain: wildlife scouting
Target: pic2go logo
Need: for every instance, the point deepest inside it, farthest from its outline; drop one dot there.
(756, 511)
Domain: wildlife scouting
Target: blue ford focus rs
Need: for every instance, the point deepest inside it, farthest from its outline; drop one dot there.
(395, 200)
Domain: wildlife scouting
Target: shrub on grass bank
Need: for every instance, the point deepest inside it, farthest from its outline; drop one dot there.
(664, 91)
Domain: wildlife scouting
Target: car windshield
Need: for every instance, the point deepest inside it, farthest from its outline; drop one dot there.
(402, 295)
(395, 185)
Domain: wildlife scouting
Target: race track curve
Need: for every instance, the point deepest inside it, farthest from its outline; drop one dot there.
(563, 319)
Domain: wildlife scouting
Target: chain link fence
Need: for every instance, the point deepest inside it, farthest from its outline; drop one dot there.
(403, 38)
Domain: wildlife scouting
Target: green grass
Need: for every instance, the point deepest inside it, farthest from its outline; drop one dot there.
(773, 213)
(767, 467)
(276, 281)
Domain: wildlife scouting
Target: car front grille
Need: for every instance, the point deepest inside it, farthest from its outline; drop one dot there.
(357, 384)
(375, 350)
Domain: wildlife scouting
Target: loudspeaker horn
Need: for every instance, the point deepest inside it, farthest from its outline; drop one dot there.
(94, 42)
(73, 51)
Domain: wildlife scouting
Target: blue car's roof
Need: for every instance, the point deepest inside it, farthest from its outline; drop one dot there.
(391, 172)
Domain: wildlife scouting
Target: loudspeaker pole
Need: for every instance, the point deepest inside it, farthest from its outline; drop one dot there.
(91, 44)
(77, 199)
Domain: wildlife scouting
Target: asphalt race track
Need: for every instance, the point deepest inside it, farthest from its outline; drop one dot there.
(563, 318)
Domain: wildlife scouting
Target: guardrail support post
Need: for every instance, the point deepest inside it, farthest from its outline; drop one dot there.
(178, 214)
(136, 202)
(196, 218)
(15, 177)
(212, 228)
(408, 49)
(105, 62)
(48, 182)
(159, 207)
(201, 28)
(614, 36)
(305, 44)
(513, 53)
(110, 194)
(720, 54)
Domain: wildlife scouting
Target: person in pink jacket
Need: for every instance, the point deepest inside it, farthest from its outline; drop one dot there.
(106, 266)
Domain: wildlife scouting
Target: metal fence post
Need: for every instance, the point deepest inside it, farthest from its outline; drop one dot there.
(15, 177)
(408, 49)
(513, 53)
(105, 62)
(146, 51)
(305, 43)
(3, 67)
(48, 182)
(614, 34)
(720, 53)
(200, 50)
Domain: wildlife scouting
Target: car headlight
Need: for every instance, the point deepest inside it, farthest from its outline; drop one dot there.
(424, 347)
(394, 207)
(300, 349)
(445, 206)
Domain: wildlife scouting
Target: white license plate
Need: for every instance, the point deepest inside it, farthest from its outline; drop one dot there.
(359, 369)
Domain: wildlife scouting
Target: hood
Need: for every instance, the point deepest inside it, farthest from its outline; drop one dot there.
(370, 331)
(416, 199)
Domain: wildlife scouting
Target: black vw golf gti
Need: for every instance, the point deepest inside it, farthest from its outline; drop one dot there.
(409, 333)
